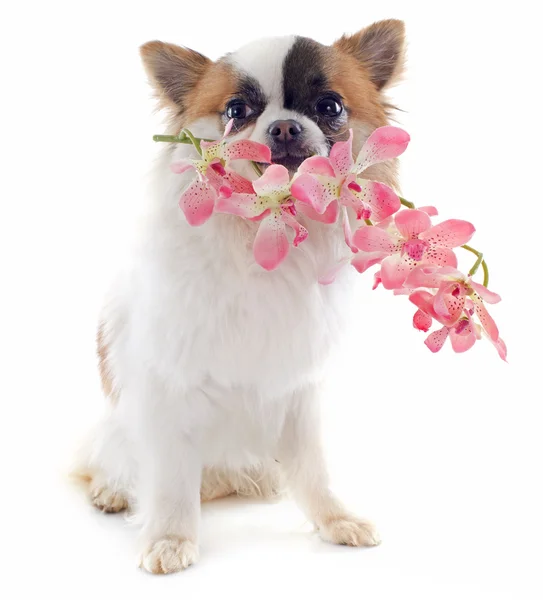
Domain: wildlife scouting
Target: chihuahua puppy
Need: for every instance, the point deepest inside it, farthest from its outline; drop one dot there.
(212, 365)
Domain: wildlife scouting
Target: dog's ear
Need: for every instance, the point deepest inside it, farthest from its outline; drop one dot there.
(380, 48)
(173, 71)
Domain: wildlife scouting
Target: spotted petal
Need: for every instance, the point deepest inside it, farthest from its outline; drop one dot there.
(248, 206)
(485, 293)
(300, 231)
(316, 191)
(248, 150)
(411, 223)
(449, 234)
(395, 269)
(274, 183)
(197, 202)
(341, 156)
(383, 144)
(271, 244)
(374, 239)
(436, 339)
(380, 197)
(488, 323)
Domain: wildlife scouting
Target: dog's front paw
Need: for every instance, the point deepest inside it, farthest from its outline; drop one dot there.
(108, 500)
(169, 555)
(349, 531)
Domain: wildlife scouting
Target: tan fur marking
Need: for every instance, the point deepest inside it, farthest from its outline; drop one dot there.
(103, 367)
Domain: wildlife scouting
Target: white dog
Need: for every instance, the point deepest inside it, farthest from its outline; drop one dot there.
(211, 364)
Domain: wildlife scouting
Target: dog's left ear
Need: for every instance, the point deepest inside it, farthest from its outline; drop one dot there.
(173, 71)
(380, 48)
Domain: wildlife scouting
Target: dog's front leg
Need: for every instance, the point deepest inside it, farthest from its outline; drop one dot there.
(169, 482)
(303, 463)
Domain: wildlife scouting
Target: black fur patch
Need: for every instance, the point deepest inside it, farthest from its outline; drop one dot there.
(305, 82)
(304, 78)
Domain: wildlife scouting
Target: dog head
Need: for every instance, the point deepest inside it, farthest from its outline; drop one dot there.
(291, 93)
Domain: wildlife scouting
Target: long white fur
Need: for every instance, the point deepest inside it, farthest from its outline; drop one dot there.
(218, 363)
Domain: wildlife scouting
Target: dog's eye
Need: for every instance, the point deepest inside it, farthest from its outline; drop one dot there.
(238, 110)
(329, 107)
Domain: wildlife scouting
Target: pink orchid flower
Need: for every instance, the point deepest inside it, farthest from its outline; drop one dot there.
(454, 290)
(323, 183)
(409, 239)
(272, 205)
(198, 200)
(463, 332)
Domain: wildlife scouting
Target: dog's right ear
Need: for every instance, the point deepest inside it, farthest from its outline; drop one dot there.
(173, 71)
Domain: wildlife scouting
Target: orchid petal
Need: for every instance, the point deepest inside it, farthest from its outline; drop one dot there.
(461, 342)
(383, 144)
(341, 156)
(228, 128)
(328, 216)
(424, 301)
(211, 150)
(181, 166)
(300, 231)
(237, 183)
(197, 203)
(431, 211)
(436, 339)
(485, 293)
(248, 206)
(432, 276)
(488, 323)
(374, 239)
(317, 165)
(444, 257)
(422, 321)
(347, 230)
(274, 183)
(331, 274)
(449, 234)
(449, 302)
(411, 223)
(500, 346)
(395, 269)
(316, 191)
(271, 244)
(248, 150)
(381, 198)
(362, 261)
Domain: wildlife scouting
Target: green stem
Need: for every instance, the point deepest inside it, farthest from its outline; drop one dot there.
(478, 263)
(406, 202)
(182, 138)
(257, 169)
(195, 141)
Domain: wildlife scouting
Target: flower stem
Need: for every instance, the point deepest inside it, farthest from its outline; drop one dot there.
(406, 202)
(478, 263)
(195, 141)
(257, 169)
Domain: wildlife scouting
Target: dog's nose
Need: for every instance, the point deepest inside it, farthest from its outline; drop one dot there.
(285, 131)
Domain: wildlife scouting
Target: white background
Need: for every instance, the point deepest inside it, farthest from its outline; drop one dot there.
(443, 452)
